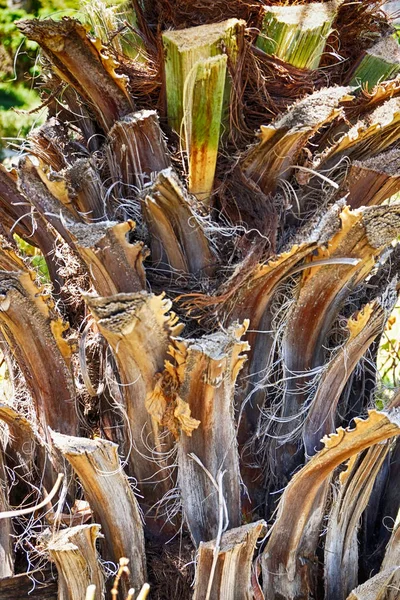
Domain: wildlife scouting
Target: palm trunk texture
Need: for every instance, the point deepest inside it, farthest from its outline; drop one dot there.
(214, 197)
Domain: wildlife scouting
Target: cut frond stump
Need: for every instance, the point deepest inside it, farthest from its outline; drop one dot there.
(322, 291)
(108, 491)
(34, 332)
(85, 190)
(177, 236)
(379, 63)
(341, 544)
(197, 96)
(224, 565)
(203, 97)
(186, 47)
(297, 34)
(285, 575)
(363, 328)
(83, 64)
(136, 150)
(208, 460)
(74, 552)
(114, 264)
(138, 328)
(115, 23)
(23, 440)
(384, 585)
(373, 133)
(274, 156)
(372, 181)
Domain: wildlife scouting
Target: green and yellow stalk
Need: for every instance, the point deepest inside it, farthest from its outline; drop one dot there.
(186, 47)
(297, 34)
(203, 97)
(379, 63)
(198, 92)
(107, 19)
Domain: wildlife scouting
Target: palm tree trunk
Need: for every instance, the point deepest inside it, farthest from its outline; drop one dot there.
(213, 199)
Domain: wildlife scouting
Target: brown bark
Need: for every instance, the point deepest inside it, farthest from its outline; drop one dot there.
(22, 440)
(322, 292)
(74, 552)
(33, 331)
(83, 64)
(208, 460)
(370, 182)
(341, 544)
(286, 565)
(113, 263)
(40, 197)
(320, 420)
(280, 144)
(138, 328)
(78, 188)
(111, 498)
(136, 151)
(224, 565)
(178, 241)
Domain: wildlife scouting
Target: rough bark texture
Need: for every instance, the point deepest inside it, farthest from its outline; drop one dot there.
(207, 371)
(112, 500)
(81, 63)
(74, 552)
(224, 570)
(136, 330)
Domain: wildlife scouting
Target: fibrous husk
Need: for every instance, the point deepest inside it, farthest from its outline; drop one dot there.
(206, 371)
(287, 559)
(111, 498)
(83, 64)
(74, 552)
(224, 565)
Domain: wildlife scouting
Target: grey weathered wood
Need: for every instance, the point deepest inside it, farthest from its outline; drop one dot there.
(111, 498)
(210, 367)
(224, 566)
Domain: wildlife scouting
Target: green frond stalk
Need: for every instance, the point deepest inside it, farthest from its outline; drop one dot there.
(203, 103)
(106, 20)
(379, 63)
(186, 47)
(297, 34)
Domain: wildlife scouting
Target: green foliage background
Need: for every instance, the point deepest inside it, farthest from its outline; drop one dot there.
(19, 67)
